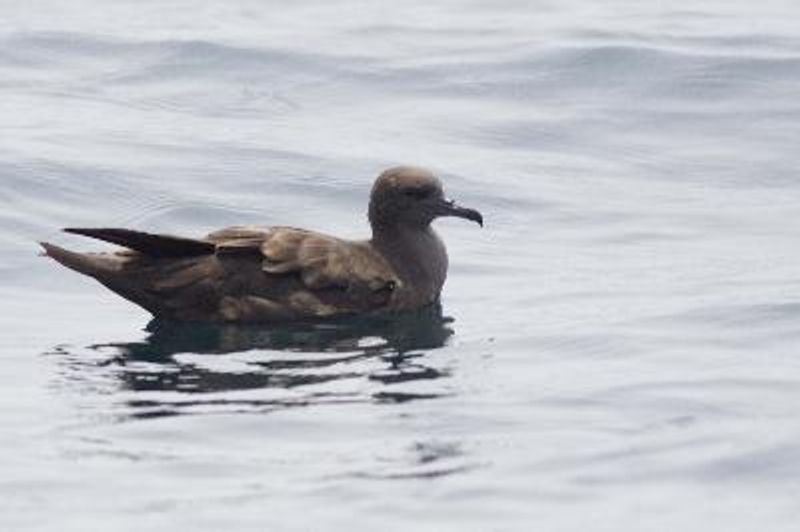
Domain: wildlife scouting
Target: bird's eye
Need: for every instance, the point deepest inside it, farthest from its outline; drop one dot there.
(418, 193)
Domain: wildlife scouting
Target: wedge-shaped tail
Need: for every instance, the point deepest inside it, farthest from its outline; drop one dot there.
(92, 264)
(167, 276)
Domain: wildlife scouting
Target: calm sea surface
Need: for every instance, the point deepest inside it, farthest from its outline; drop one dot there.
(619, 348)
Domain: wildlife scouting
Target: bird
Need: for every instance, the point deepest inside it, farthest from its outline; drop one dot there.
(264, 274)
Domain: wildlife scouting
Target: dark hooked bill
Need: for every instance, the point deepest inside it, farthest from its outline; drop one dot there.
(450, 208)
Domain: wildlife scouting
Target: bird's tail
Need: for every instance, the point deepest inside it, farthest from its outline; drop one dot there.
(110, 270)
(94, 265)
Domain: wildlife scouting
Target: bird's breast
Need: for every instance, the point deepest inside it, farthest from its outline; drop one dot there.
(420, 262)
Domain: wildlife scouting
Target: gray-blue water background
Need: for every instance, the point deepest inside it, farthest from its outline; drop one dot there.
(618, 348)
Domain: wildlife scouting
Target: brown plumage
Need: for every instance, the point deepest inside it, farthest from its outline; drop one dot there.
(264, 274)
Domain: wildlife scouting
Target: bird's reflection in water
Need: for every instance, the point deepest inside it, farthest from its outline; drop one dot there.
(299, 358)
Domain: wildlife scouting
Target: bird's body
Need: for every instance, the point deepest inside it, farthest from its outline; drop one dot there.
(268, 274)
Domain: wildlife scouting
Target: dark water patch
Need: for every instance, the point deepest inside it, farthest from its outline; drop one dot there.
(153, 409)
(402, 397)
(177, 361)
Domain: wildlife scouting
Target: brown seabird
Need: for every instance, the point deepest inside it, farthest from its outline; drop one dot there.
(266, 274)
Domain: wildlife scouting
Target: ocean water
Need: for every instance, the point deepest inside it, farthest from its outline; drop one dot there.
(616, 350)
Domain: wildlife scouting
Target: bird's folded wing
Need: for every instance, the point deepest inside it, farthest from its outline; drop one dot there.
(321, 261)
(152, 245)
(239, 239)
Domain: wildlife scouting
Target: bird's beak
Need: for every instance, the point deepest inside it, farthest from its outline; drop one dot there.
(450, 208)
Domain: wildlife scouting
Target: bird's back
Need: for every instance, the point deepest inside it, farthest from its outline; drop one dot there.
(243, 274)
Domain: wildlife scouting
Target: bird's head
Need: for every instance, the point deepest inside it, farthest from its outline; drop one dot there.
(412, 197)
